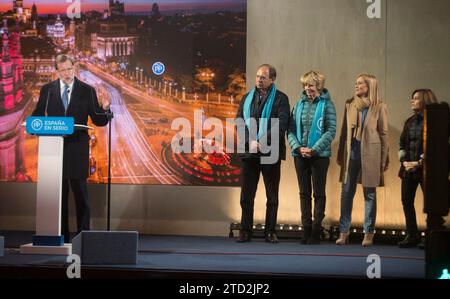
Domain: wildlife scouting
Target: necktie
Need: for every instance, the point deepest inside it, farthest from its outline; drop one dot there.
(260, 99)
(65, 96)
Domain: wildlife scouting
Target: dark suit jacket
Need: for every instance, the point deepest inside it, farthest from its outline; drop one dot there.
(280, 110)
(83, 103)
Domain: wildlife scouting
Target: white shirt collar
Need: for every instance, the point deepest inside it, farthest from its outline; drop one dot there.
(61, 87)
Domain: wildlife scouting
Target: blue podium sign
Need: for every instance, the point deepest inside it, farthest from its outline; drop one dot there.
(49, 125)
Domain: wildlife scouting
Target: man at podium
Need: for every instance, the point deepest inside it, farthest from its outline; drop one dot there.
(68, 96)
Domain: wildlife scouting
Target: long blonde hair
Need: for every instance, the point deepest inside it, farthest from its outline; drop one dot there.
(372, 83)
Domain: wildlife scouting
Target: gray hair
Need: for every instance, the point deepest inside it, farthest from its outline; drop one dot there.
(63, 58)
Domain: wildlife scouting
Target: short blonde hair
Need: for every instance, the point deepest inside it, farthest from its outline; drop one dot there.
(314, 77)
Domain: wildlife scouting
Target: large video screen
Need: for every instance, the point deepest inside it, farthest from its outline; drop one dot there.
(161, 64)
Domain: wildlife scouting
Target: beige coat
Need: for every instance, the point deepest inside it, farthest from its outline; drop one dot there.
(374, 146)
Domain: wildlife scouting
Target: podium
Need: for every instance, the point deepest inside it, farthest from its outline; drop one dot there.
(51, 132)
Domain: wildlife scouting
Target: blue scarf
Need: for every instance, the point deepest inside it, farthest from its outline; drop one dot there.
(265, 115)
(317, 125)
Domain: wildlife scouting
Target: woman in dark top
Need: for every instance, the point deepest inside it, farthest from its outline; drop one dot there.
(411, 155)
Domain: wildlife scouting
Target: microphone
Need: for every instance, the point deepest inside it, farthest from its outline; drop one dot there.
(68, 97)
(46, 102)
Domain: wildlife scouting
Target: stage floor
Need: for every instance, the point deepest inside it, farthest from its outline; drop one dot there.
(222, 257)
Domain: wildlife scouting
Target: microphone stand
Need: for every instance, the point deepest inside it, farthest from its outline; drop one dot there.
(109, 114)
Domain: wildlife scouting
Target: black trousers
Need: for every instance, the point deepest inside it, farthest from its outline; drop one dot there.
(79, 189)
(410, 182)
(250, 172)
(312, 169)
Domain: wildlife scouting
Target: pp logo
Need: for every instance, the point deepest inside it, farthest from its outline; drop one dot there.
(158, 68)
(320, 124)
(36, 124)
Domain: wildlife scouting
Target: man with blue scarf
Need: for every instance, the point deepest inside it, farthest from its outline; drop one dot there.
(264, 112)
(312, 128)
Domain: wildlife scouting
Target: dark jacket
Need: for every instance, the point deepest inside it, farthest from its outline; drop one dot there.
(280, 110)
(411, 143)
(83, 103)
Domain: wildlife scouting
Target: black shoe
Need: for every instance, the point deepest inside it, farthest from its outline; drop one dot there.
(244, 237)
(66, 237)
(409, 241)
(306, 235)
(421, 245)
(271, 238)
(315, 236)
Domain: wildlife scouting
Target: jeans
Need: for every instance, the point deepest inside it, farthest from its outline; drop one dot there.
(312, 169)
(347, 195)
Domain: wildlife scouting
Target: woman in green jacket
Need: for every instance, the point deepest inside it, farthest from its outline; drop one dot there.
(312, 129)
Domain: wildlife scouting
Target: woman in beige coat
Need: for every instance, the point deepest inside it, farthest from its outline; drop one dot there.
(362, 154)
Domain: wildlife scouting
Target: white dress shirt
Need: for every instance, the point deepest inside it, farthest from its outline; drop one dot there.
(69, 91)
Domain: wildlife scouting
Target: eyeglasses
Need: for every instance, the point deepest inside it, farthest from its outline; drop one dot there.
(65, 70)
